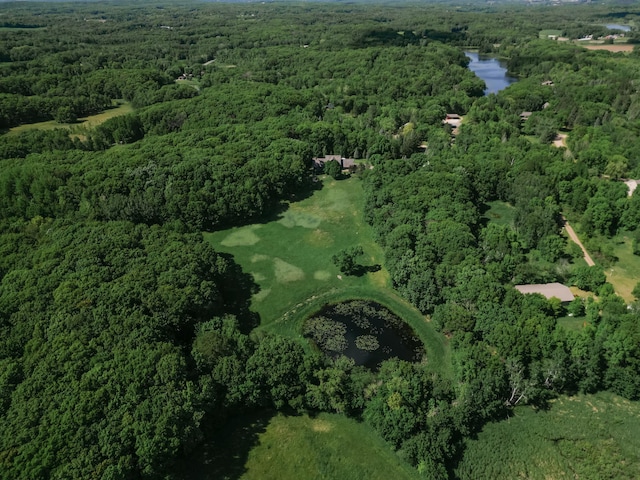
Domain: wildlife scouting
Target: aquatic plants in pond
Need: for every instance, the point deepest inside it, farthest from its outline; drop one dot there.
(364, 331)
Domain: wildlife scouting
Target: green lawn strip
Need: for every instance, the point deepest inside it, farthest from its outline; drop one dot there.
(84, 123)
(587, 436)
(625, 273)
(328, 446)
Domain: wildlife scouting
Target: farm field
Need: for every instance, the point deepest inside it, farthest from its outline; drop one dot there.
(286, 447)
(586, 436)
(84, 123)
(290, 261)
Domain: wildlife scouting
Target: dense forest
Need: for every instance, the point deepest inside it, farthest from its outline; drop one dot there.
(126, 338)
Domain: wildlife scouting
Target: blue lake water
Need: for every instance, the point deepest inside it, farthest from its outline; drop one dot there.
(491, 70)
(617, 26)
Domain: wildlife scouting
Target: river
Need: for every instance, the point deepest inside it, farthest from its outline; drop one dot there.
(491, 70)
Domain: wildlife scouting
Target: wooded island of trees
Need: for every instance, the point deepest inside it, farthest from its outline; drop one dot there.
(128, 340)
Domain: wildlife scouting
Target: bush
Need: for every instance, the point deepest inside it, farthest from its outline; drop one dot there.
(589, 278)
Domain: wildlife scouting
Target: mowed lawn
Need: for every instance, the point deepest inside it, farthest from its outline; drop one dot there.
(586, 436)
(327, 446)
(290, 260)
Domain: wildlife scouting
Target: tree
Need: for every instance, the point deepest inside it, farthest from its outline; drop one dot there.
(589, 278)
(65, 115)
(345, 260)
(333, 169)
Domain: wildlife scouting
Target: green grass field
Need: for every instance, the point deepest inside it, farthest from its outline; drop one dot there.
(585, 437)
(290, 260)
(573, 323)
(329, 446)
(625, 273)
(83, 124)
(500, 212)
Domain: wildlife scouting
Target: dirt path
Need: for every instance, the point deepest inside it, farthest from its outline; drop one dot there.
(574, 237)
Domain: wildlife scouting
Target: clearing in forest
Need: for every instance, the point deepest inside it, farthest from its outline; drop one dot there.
(289, 259)
(82, 125)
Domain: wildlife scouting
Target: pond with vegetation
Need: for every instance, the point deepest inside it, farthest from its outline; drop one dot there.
(491, 70)
(364, 331)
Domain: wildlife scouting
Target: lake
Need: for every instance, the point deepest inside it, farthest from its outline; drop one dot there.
(491, 70)
(617, 26)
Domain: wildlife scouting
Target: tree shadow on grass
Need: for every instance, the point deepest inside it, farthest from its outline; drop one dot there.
(224, 454)
(360, 270)
(279, 207)
(237, 291)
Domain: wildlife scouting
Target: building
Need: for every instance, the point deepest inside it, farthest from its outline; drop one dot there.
(345, 163)
(549, 290)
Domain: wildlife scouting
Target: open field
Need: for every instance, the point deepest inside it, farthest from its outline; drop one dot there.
(625, 274)
(290, 260)
(584, 437)
(83, 124)
(328, 446)
(620, 47)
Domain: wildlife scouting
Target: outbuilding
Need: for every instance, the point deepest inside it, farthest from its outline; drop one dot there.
(549, 290)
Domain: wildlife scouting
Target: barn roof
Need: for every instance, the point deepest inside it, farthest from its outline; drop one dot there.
(549, 290)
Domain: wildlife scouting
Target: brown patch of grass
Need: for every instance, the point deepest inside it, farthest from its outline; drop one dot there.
(321, 426)
(319, 238)
(623, 47)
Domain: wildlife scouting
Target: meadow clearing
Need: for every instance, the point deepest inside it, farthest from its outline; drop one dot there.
(82, 125)
(290, 260)
(625, 273)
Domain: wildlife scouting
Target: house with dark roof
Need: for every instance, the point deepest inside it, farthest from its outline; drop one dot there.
(345, 163)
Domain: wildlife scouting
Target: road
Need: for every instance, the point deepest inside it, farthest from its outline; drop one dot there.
(574, 237)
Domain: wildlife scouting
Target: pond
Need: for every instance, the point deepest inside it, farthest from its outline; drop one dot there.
(364, 331)
(617, 26)
(491, 70)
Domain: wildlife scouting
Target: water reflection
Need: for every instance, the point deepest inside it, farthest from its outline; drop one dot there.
(364, 331)
(491, 70)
